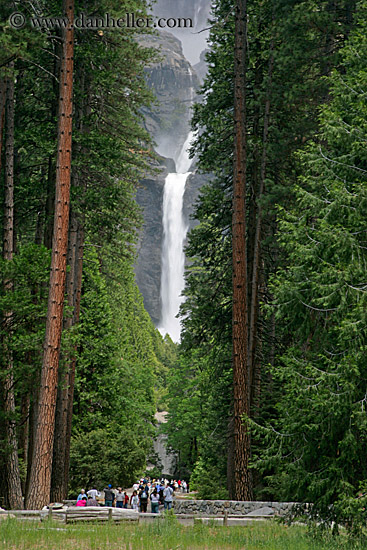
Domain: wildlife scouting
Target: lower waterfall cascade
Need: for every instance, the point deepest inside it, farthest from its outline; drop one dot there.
(174, 234)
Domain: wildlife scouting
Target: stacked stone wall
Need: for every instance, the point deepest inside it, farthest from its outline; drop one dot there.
(232, 507)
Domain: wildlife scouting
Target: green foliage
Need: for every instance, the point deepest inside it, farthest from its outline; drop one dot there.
(351, 510)
(317, 446)
(99, 456)
(207, 481)
(28, 302)
(197, 389)
(114, 401)
(299, 41)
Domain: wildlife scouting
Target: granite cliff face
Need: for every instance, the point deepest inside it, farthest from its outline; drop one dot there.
(174, 82)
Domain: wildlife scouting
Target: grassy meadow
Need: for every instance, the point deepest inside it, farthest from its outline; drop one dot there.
(160, 535)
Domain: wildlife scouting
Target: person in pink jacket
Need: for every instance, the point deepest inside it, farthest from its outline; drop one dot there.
(82, 501)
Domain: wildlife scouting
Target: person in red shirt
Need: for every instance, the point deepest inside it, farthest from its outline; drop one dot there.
(126, 499)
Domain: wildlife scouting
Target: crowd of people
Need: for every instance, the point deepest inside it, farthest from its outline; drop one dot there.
(156, 492)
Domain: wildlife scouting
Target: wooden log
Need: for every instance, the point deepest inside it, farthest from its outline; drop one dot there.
(24, 512)
(76, 519)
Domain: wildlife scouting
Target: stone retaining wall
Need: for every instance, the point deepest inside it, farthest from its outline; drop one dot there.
(232, 507)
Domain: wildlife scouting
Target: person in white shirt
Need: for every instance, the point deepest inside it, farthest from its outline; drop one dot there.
(93, 493)
(167, 494)
(134, 501)
(154, 501)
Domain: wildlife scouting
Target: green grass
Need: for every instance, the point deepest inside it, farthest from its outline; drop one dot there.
(160, 535)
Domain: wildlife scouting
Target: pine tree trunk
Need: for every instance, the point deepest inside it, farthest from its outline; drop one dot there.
(33, 414)
(64, 409)
(253, 191)
(40, 476)
(230, 460)
(24, 427)
(242, 444)
(51, 169)
(58, 489)
(12, 461)
(50, 204)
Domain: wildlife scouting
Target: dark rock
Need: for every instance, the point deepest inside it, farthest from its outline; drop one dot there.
(174, 83)
(148, 266)
(193, 39)
(169, 164)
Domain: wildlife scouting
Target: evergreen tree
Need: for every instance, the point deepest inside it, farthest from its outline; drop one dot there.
(292, 46)
(114, 406)
(317, 446)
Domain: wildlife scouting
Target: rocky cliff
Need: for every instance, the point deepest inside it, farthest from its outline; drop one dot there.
(174, 83)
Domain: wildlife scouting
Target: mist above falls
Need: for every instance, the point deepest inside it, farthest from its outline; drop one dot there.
(193, 40)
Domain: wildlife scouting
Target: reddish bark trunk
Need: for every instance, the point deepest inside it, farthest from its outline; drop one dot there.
(50, 204)
(33, 414)
(230, 459)
(242, 445)
(40, 477)
(58, 489)
(24, 426)
(51, 169)
(60, 479)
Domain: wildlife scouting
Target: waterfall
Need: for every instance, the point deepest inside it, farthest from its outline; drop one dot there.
(174, 235)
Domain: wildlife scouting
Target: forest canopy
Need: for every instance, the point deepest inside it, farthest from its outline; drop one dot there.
(266, 393)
